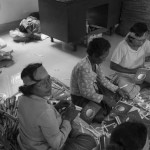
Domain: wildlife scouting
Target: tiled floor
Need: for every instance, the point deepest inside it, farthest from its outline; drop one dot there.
(58, 58)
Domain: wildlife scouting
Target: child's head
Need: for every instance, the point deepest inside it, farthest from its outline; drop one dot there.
(139, 29)
(138, 34)
(98, 49)
(129, 136)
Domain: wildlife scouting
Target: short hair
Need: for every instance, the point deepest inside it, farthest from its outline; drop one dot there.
(35, 14)
(128, 136)
(28, 71)
(98, 46)
(139, 29)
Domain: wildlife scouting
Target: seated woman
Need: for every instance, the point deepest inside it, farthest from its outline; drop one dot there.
(87, 78)
(41, 127)
(129, 136)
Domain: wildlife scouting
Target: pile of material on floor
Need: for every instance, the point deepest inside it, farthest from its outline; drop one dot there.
(28, 30)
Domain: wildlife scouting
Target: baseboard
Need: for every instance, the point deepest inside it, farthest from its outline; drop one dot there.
(6, 27)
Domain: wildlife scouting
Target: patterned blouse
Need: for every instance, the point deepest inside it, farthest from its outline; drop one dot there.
(83, 80)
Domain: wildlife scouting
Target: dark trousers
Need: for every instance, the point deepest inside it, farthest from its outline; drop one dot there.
(79, 141)
(105, 109)
(82, 102)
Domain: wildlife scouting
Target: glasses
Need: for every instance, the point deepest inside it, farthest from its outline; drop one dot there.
(44, 82)
(133, 38)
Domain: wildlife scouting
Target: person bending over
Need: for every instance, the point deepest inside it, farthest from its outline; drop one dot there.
(87, 77)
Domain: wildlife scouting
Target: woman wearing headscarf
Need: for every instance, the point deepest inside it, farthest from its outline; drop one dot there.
(41, 126)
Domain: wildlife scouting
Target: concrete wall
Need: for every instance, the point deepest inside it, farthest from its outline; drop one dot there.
(13, 10)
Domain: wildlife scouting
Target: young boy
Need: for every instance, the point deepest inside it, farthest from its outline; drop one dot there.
(130, 54)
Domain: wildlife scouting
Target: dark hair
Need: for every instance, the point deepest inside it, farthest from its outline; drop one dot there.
(139, 29)
(98, 46)
(128, 136)
(28, 71)
(35, 14)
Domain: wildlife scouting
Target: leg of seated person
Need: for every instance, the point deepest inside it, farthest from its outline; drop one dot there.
(79, 100)
(102, 113)
(80, 142)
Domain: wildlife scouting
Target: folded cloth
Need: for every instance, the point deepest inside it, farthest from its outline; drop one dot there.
(6, 63)
(19, 36)
(2, 43)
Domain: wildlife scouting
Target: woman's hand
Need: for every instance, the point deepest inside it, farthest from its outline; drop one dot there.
(62, 104)
(122, 93)
(70, 113)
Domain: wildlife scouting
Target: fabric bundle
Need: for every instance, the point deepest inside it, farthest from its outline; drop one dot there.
(6, 58)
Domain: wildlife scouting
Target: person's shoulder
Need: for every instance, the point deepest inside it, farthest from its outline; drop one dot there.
(146, 46)
(22, 97)
(82, 66)
(122, 43)
(81, 63)
(22, 100)
(122, 46)
(147, 43)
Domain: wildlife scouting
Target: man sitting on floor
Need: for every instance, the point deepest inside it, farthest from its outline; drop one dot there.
(129, 56)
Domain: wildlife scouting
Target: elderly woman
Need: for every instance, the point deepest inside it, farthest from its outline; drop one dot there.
(87, 79)
(129, 56)
(41, 127)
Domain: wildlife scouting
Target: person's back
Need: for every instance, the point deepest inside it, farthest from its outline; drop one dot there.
(31, 120)
(74, 86)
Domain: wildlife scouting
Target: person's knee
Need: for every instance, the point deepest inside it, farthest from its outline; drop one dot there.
(81, 142)
(86, 141)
